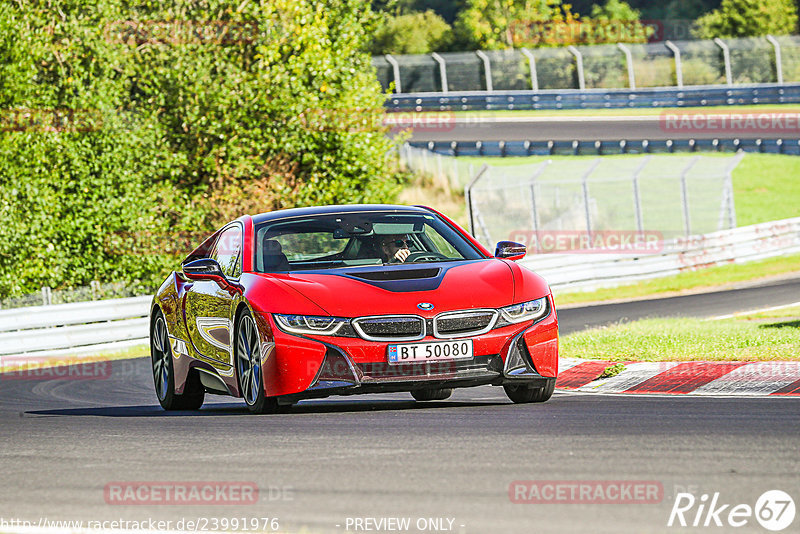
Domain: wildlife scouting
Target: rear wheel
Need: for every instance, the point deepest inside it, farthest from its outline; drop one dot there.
(432, 394)
(248, 367)
(523, 394)
(164, 372)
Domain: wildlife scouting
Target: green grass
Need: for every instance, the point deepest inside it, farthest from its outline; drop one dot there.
(712, 277)
(766, 187)
(626, 112)
(688, 340)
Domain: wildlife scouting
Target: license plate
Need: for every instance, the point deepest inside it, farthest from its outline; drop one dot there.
(430, 352)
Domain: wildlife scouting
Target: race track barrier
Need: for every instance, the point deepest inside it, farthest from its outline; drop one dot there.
(603, 148)
(41, 331)
(83, 326)
(669, 97)
(587, 271)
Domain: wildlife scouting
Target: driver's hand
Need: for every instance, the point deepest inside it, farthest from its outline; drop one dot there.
(402, 254)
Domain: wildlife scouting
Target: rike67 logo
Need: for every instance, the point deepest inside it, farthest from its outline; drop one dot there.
(774, 510)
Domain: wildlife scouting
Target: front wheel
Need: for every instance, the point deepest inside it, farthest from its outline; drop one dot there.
(523, 394)
(248, 367)
(164, 372)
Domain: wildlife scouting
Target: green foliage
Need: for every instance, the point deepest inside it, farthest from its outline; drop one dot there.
(490, 25)
(748, 18)
(123, 127)
(413, 33)
(487, 24)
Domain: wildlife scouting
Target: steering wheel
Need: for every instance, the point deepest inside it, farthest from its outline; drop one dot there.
(419, 255)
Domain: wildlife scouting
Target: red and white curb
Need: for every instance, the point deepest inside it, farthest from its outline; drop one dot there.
(779, 378)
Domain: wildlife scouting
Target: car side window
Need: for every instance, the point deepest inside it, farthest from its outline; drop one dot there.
(227, 251)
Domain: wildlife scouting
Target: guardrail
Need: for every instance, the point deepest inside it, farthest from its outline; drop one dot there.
(41, 331)
(79, 327)
(670, 97)
(590, 271)
(600, 148)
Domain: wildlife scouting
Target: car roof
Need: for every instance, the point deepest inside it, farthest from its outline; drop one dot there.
(327, 210)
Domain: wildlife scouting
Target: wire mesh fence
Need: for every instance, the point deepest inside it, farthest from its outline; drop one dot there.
(94, 291)
(659, 64)
(568, 205)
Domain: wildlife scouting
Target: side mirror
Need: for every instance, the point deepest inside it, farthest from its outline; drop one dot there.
(208, 269)
(510, 250)
(204, 269)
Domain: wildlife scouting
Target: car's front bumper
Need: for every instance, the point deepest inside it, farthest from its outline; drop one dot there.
(308, 367)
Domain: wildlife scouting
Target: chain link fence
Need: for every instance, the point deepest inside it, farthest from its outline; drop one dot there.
(661, 197)
(667, 64)
(95, 291)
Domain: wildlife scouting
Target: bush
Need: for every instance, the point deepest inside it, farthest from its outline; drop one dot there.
(124, 126)
(748, 18)
(413, 33)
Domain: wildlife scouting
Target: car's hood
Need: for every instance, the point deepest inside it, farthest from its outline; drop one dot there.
(398, 289)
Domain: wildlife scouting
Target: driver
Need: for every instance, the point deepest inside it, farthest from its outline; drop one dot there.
(394, 248)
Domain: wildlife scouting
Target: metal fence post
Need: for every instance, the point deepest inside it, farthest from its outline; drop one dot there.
(487, 69)
(687, 223)
(726, 57)
(47, 296)
(532, 64)
(395, 72)
(585, 181)
(535, 211)
(629, 62)
(729, 188)
(637, 199)
(579, 65)
(442, 70)
(778, 61)
(468, 196)
(676, 52)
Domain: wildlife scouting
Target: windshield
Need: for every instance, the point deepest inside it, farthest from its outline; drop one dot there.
(357, 239)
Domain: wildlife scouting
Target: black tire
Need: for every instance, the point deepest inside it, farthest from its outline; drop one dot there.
(431, 394)
(247, 353)
(164, 372)
(524, 394)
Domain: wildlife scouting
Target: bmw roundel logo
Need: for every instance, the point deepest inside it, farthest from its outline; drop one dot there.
(425, 306)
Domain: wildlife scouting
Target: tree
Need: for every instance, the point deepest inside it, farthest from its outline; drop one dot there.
(615, 21)
(413, 33)
(497, 24)
(748, 18)
(124, 124)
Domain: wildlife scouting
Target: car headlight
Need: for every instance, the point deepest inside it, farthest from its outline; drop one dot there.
(310, 324)
(525, 311)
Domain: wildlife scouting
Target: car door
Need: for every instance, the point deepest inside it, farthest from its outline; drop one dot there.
(208, 305)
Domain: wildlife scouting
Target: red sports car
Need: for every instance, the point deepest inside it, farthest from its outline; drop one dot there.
(339, 300)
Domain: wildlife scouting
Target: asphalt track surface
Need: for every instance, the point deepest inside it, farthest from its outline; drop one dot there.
(750, 296)
(385, 456)
(583, 128)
